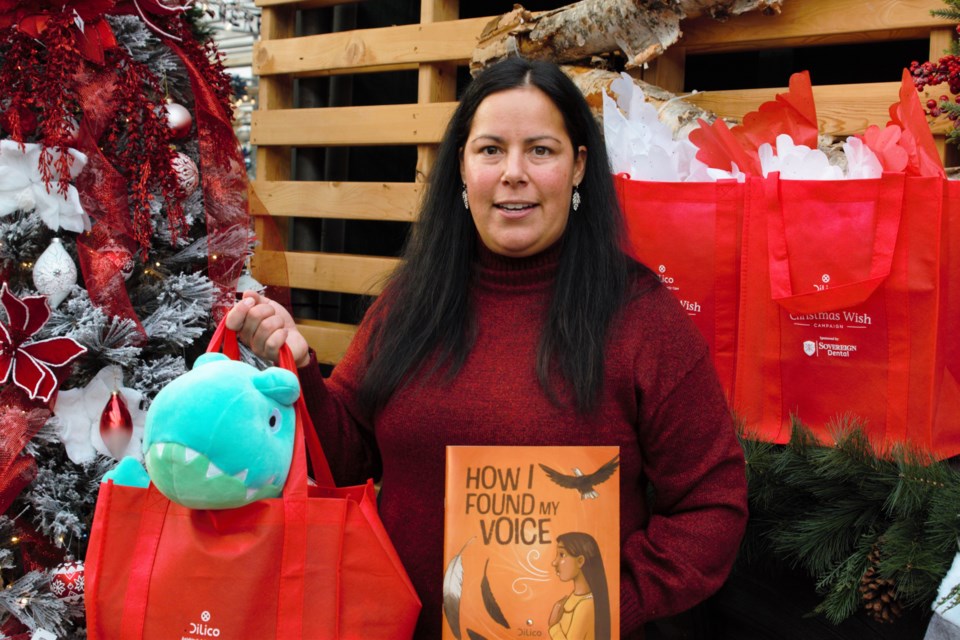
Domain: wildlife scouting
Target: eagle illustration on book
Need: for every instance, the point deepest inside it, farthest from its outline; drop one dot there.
(583, 483)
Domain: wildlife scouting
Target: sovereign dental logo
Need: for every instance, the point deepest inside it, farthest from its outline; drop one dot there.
(829, 347)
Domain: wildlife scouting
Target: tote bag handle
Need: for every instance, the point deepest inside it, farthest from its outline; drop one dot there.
(887, 211)
(225, 340)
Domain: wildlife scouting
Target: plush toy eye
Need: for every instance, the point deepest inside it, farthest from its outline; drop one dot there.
(276, 419)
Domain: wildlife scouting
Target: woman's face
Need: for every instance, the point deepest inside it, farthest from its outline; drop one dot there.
(520, 168)
(566, 565)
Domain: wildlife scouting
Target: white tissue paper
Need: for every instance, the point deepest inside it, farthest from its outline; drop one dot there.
(641, 146)
(862, 162)
(797, 161)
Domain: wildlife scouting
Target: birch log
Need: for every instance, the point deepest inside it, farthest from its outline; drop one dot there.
(641, 29)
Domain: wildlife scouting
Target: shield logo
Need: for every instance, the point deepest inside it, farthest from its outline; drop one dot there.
(809, 347)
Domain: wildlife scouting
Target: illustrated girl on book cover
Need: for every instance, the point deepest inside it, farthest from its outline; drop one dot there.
(583, 614)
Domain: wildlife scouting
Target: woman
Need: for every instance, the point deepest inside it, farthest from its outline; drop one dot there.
(584, 614)
(516, 319)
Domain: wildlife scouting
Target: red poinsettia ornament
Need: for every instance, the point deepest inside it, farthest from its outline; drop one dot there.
(29, 364)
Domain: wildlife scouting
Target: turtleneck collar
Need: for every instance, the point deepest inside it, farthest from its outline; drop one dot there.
(496, 271)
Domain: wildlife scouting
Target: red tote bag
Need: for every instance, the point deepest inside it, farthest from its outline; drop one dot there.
(315, 563)
(845, 310)
(689, 234)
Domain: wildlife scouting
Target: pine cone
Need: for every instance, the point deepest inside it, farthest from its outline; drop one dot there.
(879, 594)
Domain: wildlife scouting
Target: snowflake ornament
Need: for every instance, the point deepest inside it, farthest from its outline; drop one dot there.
(22, 186)
(78, 414)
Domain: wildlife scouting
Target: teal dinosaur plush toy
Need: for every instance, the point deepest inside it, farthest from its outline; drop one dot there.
(219, 436)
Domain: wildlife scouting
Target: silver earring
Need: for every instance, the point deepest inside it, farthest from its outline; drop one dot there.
(466, 202)
(575, 201)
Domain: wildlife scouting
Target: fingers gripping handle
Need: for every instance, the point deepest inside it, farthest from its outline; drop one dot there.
(306, 442)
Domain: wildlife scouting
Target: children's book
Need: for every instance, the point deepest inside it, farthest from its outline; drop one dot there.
(532, 543)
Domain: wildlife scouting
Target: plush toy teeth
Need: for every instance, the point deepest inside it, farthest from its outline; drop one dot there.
(189, 478)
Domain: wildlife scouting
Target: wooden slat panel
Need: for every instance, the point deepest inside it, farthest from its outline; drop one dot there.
(273, 163)
(365, 50)
(810, 22)
(436, 82)
(379, 124)
(335, 272)
(345, 200)
(842, 109)
(667, 71)
(328, 339)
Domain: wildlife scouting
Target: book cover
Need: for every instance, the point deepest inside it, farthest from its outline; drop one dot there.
(532, 543)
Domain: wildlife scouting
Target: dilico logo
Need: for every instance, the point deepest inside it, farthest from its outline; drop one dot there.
(665, 279)
(202, 629)
(825, 279)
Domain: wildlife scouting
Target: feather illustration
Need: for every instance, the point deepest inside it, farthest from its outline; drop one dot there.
(452, 590)
(489, 602)
(583, 483)
(473, 635)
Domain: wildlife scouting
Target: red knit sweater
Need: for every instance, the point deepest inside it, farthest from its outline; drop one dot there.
(661, 404)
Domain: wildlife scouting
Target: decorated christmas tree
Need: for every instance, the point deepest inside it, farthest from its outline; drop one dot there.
(123, 233)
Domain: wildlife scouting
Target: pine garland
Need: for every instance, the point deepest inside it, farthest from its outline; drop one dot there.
(849, 518)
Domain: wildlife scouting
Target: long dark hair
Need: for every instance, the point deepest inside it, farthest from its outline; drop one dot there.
(424, 313)
(583, 544)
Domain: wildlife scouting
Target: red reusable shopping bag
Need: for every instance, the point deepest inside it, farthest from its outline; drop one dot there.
(689, 234)
(315, 563)
(845, 310)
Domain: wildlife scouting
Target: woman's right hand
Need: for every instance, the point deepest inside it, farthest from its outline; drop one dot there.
(557, 612)
(264, 326)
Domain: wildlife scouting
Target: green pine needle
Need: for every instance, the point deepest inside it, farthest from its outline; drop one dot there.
(823, 508)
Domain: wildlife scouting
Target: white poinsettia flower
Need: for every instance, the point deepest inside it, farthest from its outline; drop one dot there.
(22, 187)
(78, 412)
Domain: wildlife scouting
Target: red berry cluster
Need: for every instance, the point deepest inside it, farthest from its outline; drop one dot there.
(929, 74)
(947, 69)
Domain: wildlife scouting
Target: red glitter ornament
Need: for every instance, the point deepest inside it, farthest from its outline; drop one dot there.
(67, 581)
(179, 120)
(116, 425)
(120, 257)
